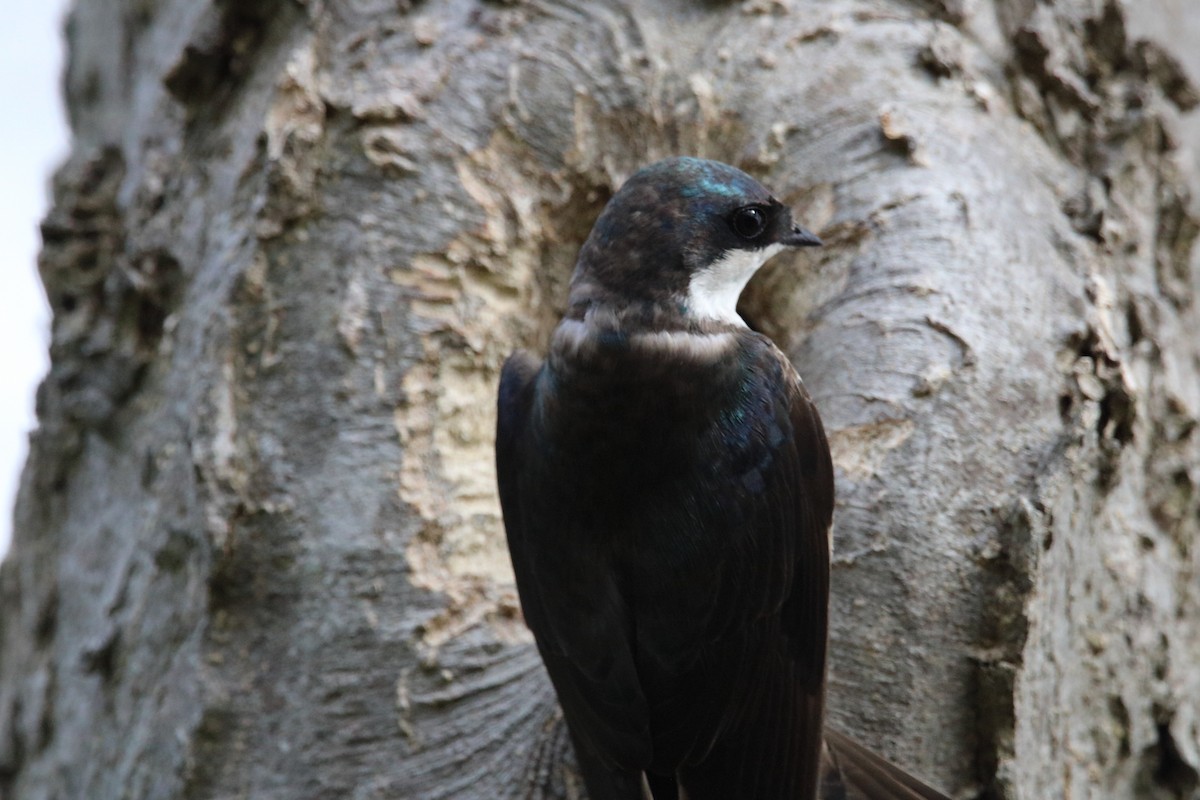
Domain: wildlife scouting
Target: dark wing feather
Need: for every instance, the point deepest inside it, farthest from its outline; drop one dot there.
(850, 771)
(770, 507)
(806, 612)
(671, 548)
(513, 405)
(580, 628)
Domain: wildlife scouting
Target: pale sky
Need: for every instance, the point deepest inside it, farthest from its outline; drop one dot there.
(33, 139)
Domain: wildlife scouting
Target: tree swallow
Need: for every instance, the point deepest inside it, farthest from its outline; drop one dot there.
(667, 492)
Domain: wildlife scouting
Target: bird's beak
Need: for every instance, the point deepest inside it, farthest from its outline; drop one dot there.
(798, 237)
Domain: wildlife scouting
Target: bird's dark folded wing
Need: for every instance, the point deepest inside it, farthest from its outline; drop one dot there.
(850, 771)
(580, 630)
(776, 585)
(514, 400)
(806, 613)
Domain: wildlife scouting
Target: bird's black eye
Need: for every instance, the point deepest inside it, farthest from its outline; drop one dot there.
(748, 222)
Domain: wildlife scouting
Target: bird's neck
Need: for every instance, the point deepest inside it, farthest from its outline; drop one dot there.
(604, 308)
(602, 324)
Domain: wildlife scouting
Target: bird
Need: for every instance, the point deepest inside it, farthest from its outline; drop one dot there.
(667, 492)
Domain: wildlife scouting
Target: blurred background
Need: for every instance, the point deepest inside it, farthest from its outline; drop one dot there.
(33, 139)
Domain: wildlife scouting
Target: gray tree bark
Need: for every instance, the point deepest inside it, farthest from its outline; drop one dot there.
(258, 551)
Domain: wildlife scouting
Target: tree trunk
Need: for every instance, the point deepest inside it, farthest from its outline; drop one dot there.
(258, 551)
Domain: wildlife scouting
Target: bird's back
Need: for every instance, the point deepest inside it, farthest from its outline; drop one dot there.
(666, 481)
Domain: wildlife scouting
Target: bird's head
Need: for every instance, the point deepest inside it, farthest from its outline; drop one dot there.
(684, 233)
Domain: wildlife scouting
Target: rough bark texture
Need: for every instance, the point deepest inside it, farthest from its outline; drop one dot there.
(258, 552)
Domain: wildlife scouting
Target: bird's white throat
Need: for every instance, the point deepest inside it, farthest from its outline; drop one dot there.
(714, 291)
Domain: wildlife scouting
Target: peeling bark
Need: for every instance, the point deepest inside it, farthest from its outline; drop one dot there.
(258, 551)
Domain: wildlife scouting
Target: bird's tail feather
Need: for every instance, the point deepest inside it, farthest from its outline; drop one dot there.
(849, 771)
